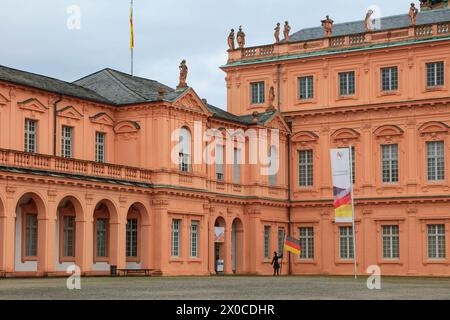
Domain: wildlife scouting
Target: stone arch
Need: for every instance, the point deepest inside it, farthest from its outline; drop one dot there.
(388, 131)
(433, 127)
(305, 136)
(138, 238)
(220, 249)
(237, 246)
(345, 134)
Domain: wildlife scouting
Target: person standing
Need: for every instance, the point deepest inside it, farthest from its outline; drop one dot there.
(276, 263)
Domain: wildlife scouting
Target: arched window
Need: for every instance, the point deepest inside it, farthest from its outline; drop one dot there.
(185, 150)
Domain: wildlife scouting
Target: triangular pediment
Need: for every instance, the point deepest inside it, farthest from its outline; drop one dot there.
(70, 112)
(127, 127)
(33, 104)
(191, 101)
(276, 121)
(3, 100)
(103, 118)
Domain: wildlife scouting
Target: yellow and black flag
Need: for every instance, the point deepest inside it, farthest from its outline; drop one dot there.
(131, 27)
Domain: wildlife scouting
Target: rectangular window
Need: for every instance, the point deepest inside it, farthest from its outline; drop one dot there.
(435, 161)
(346, 243)
(435, 74)
(306, 243)
(436, 241)
(347, 83)
(132, 238)
(66, 142)
(68, 236)
(100, 147)
(237, 166)
(219, 163)
(30, 136)
(391, 242)
(31, 235)
(389, 79)
(280, 240)
(267, 242)
(176, 237)
(257, 92)
(194, 239)
(390, 163)
(101, 227)
(306, 87)
(305, 163)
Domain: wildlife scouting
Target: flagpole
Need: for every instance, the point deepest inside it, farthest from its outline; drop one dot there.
(132, 37)
(353, 211)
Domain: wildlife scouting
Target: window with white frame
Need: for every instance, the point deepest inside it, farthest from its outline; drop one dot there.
(176, 224)
(389, 79)
(346, 243)
(237, 166)
(435, 74)
(267, 242)
(257, 92)
(194, 239)
(281, 236)
(306, 242)
(391, 242)
(100, 141)
(31, 235)
(435, 161)
(219, 163)
(389, 154)
(30, 136)
(185, 150)
(66, 142)
(68, 244)
(306, 87)
(132, 238)
(347, 83)
(101, 228)
(305, 164)
(436, 241)
(273, 166)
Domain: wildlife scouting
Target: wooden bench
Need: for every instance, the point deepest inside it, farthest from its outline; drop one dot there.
(126, 272)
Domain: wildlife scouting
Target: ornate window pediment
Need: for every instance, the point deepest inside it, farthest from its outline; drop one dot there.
(33, 104)
(433, 127)
(70, 112)
(305, 137)
(127, 126)
(102, 118)
(388, 131)
(3, 100)
(345, 134)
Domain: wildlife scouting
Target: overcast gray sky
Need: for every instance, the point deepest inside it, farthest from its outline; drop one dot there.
(35, 38)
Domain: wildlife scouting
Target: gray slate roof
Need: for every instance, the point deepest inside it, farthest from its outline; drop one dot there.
(387, 23)
(124, 89)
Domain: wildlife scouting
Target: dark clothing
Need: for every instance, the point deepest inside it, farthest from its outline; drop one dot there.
(276, 264)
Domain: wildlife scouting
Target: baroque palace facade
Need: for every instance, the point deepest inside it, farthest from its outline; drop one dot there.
(87, 177)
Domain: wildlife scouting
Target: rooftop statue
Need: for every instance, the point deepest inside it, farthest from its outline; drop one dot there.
(271, 99)
(241, 38)
(277, 33)
(287, 30)
(183, 75)
(413, 11)
(327, 25)
(231, 40)
(368, 21)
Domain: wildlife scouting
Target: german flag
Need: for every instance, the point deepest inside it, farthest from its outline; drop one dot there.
(292, 245)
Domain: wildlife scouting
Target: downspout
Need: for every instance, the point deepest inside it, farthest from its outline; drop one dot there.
(55, 106)
(289, 188)
(279, 87)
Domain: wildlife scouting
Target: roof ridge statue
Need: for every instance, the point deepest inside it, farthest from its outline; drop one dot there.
(183, 75)
(231, 40)
(277, 33)
(327, 25)
(413, 11)
(287, 30)
(368, 20)
(241, 38)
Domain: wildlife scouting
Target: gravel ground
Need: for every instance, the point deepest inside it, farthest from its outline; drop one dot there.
(225, 288)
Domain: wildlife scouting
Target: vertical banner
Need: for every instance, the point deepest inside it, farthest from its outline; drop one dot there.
(342, 185)
(219, 235)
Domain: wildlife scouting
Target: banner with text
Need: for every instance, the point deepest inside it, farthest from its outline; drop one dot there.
(342, 185)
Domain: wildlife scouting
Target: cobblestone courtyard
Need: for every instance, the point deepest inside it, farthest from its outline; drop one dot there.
(225, 288)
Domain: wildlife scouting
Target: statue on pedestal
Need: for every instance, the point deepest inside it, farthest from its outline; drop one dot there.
(277, 33)
(231, 40)
(327, 25)
(241, 38)
(183, 75)
(413, 11)
(287, 30)
(368, 21)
